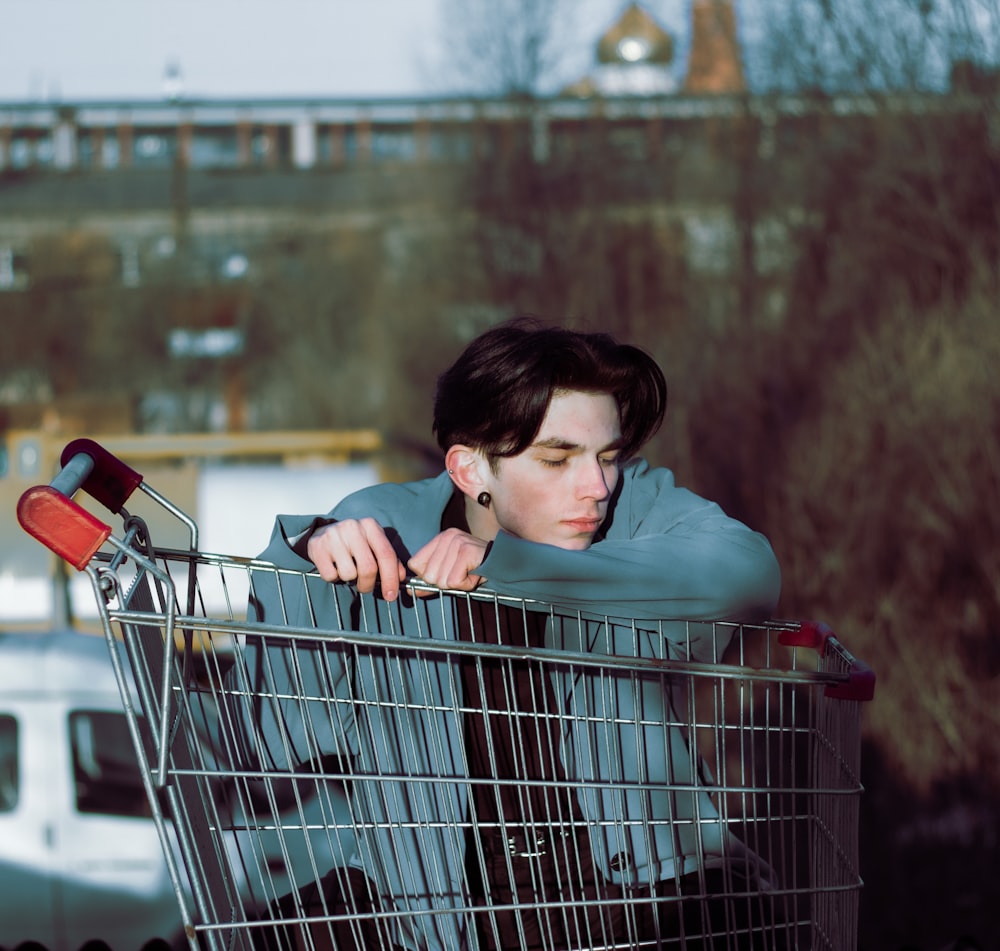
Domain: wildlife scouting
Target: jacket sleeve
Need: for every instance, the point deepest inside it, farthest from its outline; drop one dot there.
(282, 549)
(667, 554)
(272, 720)
(275, 723)
(410, 512)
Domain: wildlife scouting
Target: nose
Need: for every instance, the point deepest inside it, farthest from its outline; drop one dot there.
(594, 481)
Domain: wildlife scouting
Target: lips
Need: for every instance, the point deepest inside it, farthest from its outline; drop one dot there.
(583, 524)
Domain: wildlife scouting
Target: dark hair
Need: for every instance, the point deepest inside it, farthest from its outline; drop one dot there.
(495, 396)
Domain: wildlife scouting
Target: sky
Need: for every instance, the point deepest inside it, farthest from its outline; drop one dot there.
(71, 50)
(52, 50)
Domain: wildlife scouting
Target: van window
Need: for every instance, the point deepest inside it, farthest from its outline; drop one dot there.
(8, 763)
(105, 770)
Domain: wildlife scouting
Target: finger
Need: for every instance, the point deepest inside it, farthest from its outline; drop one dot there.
(418, 588)
(418, 563)
(448, 560)
(318, 552)
(352, 556)
(389, 568)
(468, 583)
(341, 552)
(430, 563)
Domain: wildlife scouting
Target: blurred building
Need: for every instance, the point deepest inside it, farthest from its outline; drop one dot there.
(634, 57)
(715, 64)
(208, 197)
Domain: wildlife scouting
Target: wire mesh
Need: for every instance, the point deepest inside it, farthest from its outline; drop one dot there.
(470, 771)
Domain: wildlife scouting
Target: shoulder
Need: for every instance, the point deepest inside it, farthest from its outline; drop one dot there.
(641, 479)
(391, 498)
(412, 509)
(649, 501)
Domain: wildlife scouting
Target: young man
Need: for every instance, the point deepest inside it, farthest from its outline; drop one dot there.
(539, 427)
(542, 497)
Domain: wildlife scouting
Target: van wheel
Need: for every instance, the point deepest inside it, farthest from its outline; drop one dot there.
(157, 944)
(30, 946)
(95, 945)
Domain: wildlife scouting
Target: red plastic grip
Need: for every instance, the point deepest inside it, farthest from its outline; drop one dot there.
(812, 634)
(111, 482)
(860, 684)
(61, 524)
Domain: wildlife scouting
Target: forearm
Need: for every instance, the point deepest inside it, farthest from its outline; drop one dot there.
(727, 575)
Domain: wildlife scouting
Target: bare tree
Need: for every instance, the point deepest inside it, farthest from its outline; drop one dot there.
(877, 499)
(501, 47)
(848, 46)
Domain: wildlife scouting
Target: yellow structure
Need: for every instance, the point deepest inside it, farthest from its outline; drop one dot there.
(635, 56)
(247, 476)
(715, 64)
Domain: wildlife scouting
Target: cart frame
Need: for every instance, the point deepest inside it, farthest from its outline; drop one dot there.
(769, 733)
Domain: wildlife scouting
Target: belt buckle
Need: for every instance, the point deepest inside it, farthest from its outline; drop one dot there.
(536, 841)
(530, 839)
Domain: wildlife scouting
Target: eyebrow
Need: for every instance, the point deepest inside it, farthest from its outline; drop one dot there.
(557, 442)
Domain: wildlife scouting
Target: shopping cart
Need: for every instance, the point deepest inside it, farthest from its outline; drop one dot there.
(345, 776)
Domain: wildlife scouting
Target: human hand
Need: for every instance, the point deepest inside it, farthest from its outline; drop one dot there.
(448, 560)
(357, 550)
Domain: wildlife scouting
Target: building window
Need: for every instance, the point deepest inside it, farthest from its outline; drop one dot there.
(711, 243)
(87, 146)
(21, 153)
(110, 151)
(9, 778)
(390, 144)
(45, 151)
(6, 268)
(30, 150)
(215, 148)
(129, 256)
(13, 269)
(450, 145)
(351, 143)
(153, 150)
(261, 148)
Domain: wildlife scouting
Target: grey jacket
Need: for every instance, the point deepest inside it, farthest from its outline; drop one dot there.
(662, 553)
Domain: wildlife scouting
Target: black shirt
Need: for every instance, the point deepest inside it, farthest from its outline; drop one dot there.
(512, 716)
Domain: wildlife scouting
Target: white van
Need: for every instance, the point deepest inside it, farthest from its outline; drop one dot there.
(80, 860)
(81, 864)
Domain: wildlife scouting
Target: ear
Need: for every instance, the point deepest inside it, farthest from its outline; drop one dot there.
(468, 469)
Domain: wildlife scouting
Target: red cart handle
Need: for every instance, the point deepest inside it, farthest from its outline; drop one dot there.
(860, 684)
(49, 514)
(61, 524)
(110, 480)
